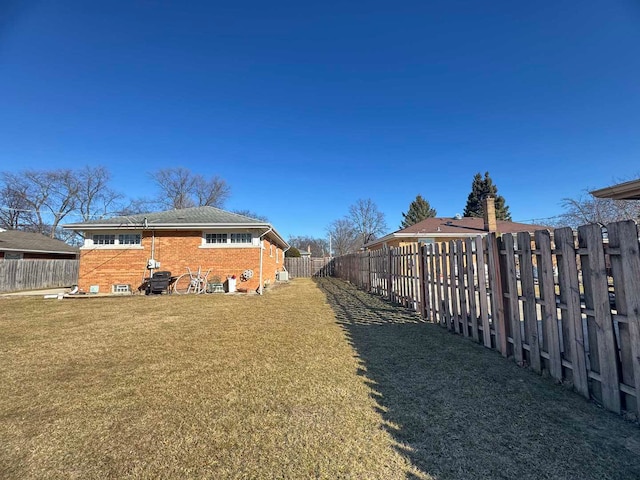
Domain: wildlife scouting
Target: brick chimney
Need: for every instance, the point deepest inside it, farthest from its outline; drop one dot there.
(489, 210)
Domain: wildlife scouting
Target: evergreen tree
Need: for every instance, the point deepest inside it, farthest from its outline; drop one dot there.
(480, 187)
(418, 211)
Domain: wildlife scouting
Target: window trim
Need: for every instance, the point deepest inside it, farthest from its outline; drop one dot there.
(116, 245)
(253, 240)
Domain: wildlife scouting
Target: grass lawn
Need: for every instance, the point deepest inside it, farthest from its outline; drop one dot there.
(210, 386)
(312, 380)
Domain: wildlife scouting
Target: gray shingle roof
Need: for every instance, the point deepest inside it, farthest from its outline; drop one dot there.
(184, 216)
(16, 240)
(180, 219)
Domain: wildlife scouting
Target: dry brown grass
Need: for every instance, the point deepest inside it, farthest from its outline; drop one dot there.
(187, 387)
(462, 411)
(312, 380)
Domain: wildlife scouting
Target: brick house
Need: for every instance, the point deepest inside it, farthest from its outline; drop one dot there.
(19, 245)
(117, 251)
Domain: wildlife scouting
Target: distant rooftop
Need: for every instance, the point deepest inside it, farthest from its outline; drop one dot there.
(17, 240)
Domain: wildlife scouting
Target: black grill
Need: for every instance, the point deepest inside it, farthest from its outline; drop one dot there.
(159, 282)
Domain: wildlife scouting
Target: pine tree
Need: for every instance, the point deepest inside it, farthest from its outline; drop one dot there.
(480, 187)
(418, 211)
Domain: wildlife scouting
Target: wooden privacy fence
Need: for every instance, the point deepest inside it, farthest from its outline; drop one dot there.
(18, 275)
(309, 267)
(558, 302)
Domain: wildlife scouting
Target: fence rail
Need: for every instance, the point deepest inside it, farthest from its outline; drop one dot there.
(557, 302)
(16, 275)
(309, 267)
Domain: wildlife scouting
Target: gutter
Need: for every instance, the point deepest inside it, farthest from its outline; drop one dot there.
(260, 287)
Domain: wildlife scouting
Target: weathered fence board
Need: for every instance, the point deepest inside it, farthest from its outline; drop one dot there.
(570, 309)
(573, 335)
(16, 275)
(299, 267)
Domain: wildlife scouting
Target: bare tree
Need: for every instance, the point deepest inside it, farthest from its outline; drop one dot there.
(95, 197)
(367, 220)
(180, 188)
(344, 237)
(212, 192)
(39, 199)
(589, 209)
(251, 214)
(319, 246)
(15, 212)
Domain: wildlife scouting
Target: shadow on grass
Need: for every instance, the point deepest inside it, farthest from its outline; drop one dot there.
(458, 410)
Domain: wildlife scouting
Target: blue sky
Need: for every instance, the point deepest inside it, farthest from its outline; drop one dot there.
(305, 107)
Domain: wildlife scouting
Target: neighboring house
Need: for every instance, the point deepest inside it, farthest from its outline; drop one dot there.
(19, 245)
(117, 251)
(621, 191)
(437, 230)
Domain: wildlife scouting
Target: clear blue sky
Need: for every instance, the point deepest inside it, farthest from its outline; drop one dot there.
(305, 107)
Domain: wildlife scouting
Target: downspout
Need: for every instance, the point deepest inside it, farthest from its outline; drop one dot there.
(261, 252)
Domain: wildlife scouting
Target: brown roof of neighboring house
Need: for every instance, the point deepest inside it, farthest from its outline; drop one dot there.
(19, 241)
(449, 227)
(466, 225)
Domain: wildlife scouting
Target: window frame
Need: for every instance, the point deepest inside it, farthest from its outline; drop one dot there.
(89, 242)
(230, 234)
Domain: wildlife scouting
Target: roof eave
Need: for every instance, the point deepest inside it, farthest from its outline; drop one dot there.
(177, 226)
(158, 226)
(31, 250)
(622, 191)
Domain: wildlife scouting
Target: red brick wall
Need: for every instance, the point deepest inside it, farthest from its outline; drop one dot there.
(175, 250)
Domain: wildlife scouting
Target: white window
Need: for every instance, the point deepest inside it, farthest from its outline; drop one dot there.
(240, 238)
(129, 239)
(227, 239)
(277, 258)
(216, 238)
(271, 250)
(104, 239)
(113, 240)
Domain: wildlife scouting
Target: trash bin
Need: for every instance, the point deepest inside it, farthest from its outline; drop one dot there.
(231, 284)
